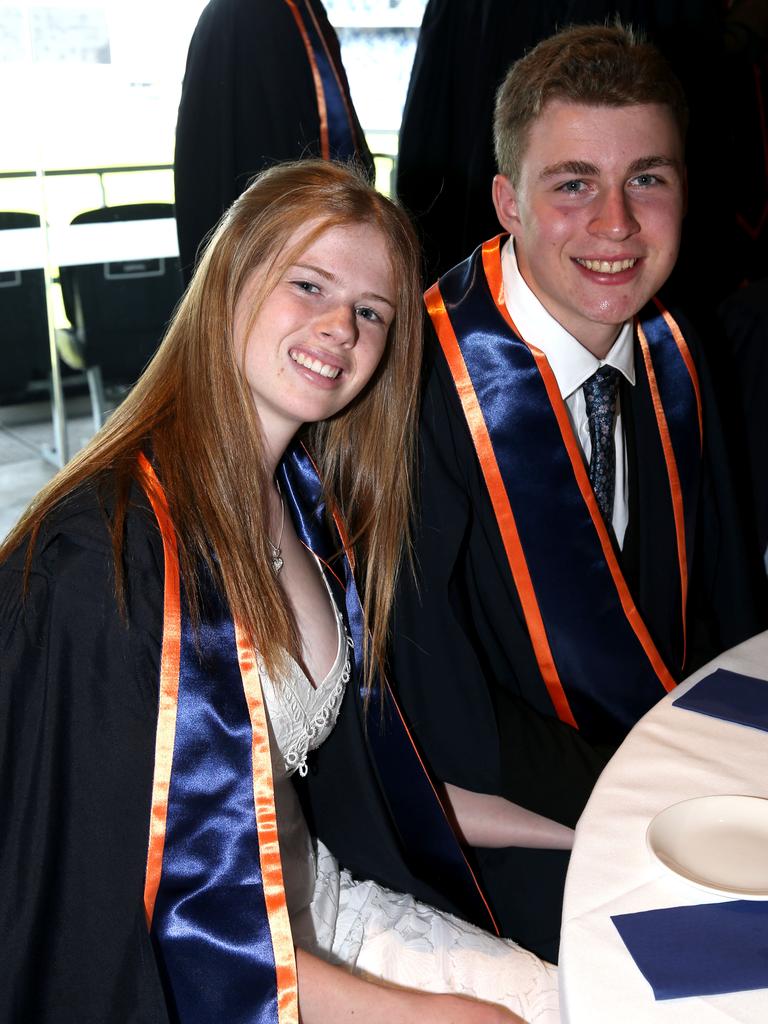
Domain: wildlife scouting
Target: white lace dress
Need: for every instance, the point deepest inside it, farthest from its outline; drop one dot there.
(379, 933)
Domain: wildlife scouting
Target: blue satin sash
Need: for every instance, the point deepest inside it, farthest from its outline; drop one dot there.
(601, 667)
(220, 934)
(210, 920)
(338, 135)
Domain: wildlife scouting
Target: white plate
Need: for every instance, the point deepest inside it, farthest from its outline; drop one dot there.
(717, 843)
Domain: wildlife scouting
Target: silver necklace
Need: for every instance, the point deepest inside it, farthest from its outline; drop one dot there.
(277, 558)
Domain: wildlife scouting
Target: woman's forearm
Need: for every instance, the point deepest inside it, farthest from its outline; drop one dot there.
(493, 821)
(333, 995)
(329, 993)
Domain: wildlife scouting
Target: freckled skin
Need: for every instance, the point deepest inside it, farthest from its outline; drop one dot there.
(596, 183)
(335, 304)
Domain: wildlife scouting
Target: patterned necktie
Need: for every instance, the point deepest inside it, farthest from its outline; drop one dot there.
(600, 395)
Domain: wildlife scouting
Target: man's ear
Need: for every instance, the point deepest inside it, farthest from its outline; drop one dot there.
(685, 189)
(505, 201)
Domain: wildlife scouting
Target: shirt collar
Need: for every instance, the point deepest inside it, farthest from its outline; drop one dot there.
(571, 363)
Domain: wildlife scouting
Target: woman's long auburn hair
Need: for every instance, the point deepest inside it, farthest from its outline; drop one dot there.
(192, 407)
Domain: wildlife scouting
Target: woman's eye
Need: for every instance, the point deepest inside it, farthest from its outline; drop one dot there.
(368, 314)
(306, 286)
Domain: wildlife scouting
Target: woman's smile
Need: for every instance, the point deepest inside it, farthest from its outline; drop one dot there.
(315, 365)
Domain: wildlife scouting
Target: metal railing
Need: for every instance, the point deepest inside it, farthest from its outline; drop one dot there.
(58, 452)
(100, 172)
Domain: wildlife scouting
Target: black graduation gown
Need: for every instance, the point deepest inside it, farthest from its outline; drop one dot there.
(78, 711)
(463, 664)
(79, 689)
(248, 101)
(744, 316)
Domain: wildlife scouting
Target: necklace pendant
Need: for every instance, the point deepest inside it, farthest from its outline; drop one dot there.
(277, 560)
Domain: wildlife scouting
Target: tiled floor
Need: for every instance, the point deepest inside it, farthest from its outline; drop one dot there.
(23, 470)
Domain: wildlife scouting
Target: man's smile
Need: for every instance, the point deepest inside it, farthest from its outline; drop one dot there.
(607, 266)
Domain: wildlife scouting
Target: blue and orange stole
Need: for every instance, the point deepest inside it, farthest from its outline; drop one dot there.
(597, 659)
(338, 130)
(214, 896)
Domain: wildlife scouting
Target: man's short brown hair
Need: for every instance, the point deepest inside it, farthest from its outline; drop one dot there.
(596, 65)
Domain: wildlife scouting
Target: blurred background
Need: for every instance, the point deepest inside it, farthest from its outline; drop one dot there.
(90, 96)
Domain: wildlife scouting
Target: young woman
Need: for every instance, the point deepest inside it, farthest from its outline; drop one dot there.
(180, 628)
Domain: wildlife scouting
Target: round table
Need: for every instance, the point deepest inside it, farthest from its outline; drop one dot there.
(671, 754)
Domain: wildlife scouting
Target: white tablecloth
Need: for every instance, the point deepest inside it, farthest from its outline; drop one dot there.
(669, 756)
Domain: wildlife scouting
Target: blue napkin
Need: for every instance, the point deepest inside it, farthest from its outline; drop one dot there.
(730, 696)
(699, 951)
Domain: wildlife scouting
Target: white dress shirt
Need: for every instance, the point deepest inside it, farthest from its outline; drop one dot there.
(572, 365)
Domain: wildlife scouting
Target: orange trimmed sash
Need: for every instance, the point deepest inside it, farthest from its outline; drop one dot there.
(598, 661)
(338, 134)
(214, 893)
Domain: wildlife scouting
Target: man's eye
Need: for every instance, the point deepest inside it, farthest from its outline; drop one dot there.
(643, 180)
(572, 187)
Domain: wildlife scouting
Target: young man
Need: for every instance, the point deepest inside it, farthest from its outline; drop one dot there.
(578, 550)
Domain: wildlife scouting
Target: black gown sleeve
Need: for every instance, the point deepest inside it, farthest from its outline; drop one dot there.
(78, 710)
(728, 602)
(744, 319)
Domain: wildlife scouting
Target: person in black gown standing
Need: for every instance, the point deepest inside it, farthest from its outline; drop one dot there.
(264, 82)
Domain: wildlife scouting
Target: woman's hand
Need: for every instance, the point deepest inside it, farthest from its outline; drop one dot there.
(332, 995)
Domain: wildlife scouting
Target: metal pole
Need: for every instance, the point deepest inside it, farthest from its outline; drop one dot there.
(59, 454)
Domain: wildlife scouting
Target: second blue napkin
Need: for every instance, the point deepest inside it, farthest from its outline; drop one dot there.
(730, 696)
(699, 951)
